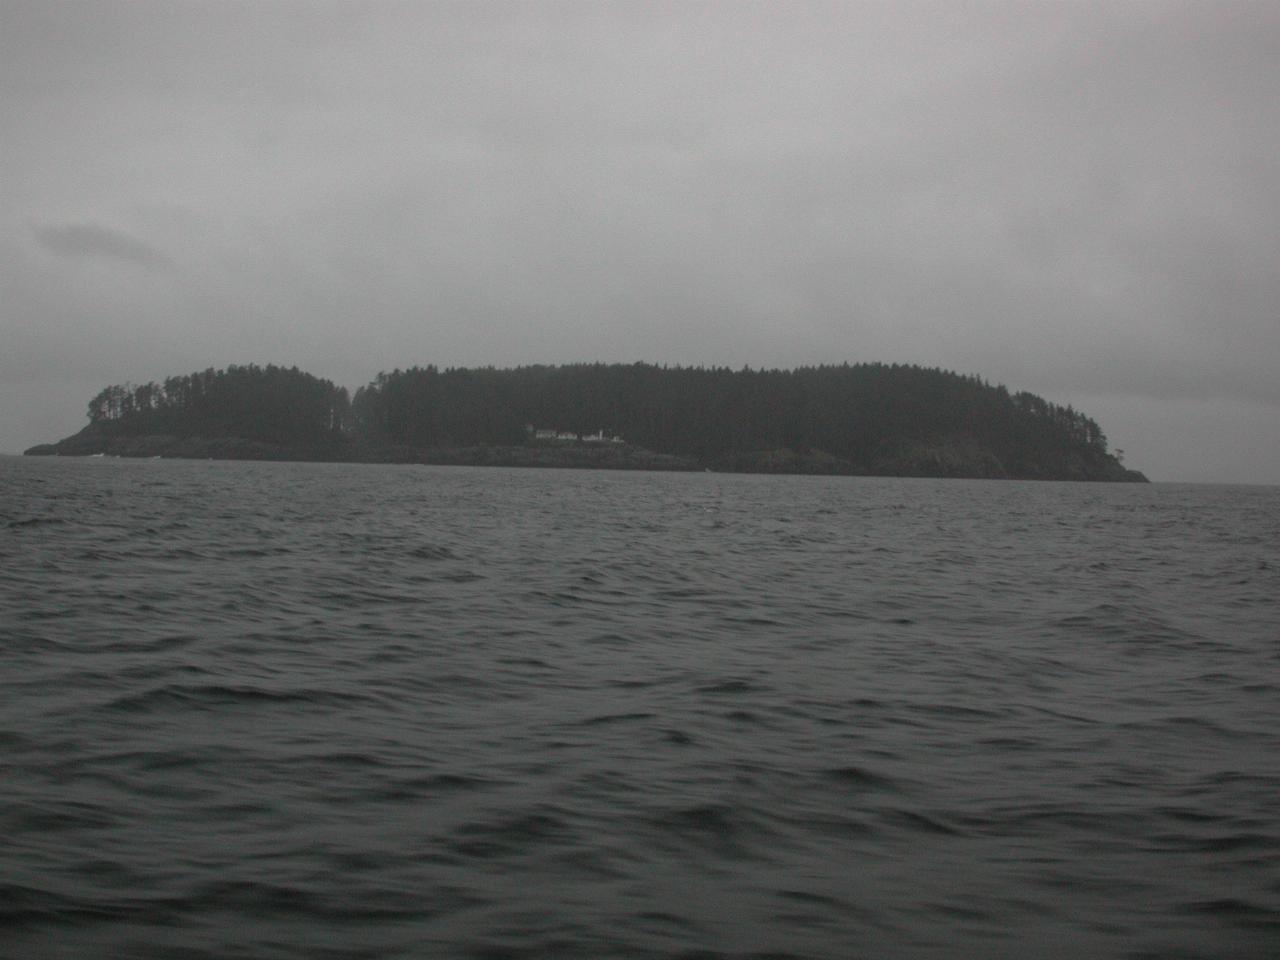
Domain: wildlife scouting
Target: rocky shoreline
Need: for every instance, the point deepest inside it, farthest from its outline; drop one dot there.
(90, 442)
(950, 459)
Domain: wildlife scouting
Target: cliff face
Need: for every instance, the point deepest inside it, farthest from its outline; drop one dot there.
(963, 456)
(958, 458)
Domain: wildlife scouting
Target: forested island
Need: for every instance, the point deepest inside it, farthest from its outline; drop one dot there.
(870, 419)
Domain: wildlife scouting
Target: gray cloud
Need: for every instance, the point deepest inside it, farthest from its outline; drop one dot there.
(94, 241)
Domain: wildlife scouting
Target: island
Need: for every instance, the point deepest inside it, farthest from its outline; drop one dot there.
(866, 419)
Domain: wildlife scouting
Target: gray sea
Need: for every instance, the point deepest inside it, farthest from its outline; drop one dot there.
(320, 711)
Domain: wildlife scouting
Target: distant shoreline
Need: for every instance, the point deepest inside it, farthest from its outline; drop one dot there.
(870, 419)
(582, 456)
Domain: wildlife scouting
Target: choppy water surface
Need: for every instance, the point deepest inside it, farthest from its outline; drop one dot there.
(306, 711)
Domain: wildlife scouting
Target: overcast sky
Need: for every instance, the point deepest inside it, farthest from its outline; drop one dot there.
(1080, 200)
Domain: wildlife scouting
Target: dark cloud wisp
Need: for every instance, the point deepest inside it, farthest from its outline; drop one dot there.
(92, 241)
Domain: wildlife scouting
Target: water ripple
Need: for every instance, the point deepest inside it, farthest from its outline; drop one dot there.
(291, 710)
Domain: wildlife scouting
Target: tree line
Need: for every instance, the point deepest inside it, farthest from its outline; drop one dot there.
(272, 404)
(862, 413)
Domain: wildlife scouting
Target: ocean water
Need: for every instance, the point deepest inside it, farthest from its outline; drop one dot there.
(311, 711)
